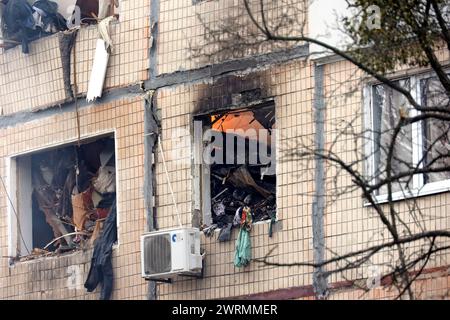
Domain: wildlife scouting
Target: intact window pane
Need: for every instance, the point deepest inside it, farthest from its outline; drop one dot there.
(387, 106)
(436, 137)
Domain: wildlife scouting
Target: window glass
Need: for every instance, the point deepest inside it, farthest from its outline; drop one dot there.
(436, 138)
(388, 105)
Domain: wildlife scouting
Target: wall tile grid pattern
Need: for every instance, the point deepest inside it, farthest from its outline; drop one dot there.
(35, 81)
(49, 277)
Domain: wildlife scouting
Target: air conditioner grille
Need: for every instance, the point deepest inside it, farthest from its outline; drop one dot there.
(157, 255)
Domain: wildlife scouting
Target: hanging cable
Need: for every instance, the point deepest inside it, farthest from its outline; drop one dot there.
(75, 92)
(63, 236)
(15, 213)
(169, 183)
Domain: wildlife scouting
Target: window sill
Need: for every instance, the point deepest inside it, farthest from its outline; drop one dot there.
(51, 255)
(217, 230)
(426, 190)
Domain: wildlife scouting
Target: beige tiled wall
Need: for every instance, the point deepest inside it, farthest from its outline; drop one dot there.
(429, 287)
(348, 224)
(49, 278)
(35, 80)
(351, 226)
(291, 85)
(183, 26)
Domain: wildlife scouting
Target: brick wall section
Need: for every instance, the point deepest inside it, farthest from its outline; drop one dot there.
(50, 278)
(33, 81)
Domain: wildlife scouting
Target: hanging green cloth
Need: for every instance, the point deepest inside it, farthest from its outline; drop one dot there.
(243, 253)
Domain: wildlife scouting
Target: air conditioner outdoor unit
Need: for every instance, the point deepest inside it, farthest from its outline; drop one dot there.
(165, 254)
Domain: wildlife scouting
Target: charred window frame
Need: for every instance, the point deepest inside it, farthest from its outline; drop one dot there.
(64, 173)
(218, 187)
(415, 140)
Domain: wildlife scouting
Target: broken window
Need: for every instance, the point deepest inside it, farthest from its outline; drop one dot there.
(235, 157)
(23, 21)
(386, 114)
(90, 11)
(63, 196)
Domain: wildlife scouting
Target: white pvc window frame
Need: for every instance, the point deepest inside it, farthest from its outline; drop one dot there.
(419, 187)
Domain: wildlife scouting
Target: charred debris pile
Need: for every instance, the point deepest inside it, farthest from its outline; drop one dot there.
(74, 188)
(236, 187)
(242, 183)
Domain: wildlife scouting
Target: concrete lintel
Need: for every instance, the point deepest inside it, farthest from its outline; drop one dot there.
(108, 96)
(211, 71)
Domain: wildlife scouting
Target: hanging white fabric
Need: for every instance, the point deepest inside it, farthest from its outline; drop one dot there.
(101, 58)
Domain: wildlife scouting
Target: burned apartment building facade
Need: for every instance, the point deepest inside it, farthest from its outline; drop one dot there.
(174, 139)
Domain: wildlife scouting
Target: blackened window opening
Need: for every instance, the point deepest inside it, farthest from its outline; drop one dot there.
(73, 190)
(242, 166)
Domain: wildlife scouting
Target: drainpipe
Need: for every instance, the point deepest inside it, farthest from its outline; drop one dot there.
(319, 280)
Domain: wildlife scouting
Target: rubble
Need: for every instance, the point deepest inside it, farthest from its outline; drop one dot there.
(239, 190)
(74, 187)
(239, 185)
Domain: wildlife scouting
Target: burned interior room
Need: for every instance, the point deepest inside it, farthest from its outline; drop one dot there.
(64, 195)
(240, 146)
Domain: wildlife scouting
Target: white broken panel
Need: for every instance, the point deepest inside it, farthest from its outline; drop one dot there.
(98, 73)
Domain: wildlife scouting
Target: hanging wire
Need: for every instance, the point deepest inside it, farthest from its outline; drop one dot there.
(15, 213)
(75, 92)
(168, 182)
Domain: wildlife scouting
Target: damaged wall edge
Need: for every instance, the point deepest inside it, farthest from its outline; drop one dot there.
(66, 44)
(210, 71)
(154, 32)
(151, 132)
(176, 78)
(320, 284)
(109, 96)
